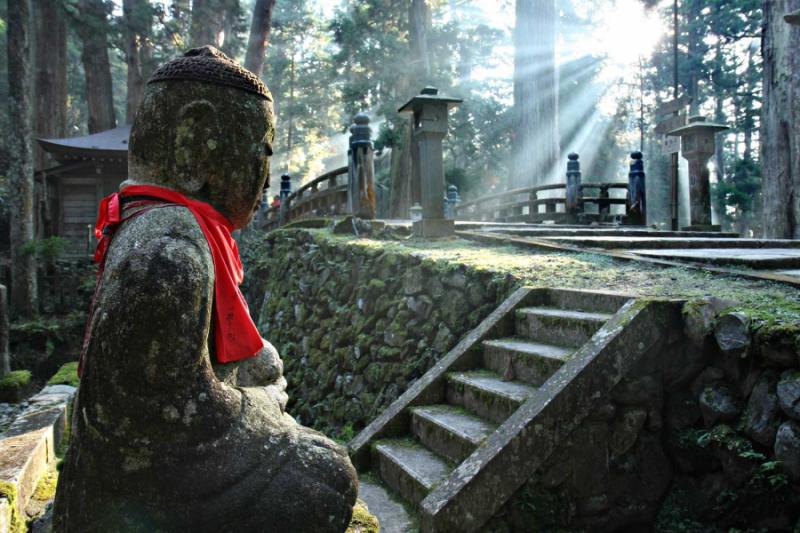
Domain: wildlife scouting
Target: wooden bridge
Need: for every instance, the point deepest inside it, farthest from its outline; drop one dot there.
(571, 202)
(348, 190)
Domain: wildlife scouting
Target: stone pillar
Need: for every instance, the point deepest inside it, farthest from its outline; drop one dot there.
(698, 144)
(573, 193)
(5, 356)
(636, 201)
(361, 169)
(429, 127)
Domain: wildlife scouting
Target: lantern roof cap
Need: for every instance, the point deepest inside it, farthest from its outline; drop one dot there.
(697, 123)
(426, 96)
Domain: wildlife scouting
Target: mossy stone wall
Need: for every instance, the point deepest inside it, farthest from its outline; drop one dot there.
(354, 324)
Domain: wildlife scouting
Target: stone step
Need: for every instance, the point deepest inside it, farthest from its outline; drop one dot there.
(523, 230)
(758, 259)
(532, 362)
(409, 468)
(449, 431)
(486, 394)
(581, 300)
(28, 446)
(660, 242)
(385, 506)
(559, 326)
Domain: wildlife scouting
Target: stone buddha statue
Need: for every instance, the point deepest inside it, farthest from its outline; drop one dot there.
(164, 437)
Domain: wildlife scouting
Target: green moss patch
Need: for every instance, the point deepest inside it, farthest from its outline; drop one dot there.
(66, 375)
(17, 378)
(14, 385)
(9, 492)
(363, 521)
(46, 487)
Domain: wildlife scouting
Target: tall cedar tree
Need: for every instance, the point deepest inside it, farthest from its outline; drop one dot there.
(259, 36)
(137, 18)
(404, 192)
(92, 27)
(536, 135)
(50, 61)
(20, 171)
(207, 22)
(780, 122)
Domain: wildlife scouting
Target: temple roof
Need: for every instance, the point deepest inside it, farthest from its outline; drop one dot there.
(109, 144)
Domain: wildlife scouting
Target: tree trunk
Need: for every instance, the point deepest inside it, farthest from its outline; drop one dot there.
(404, 189)
(419, 27)
(136, 22)
(535, 143)
(780, 122)
(50, 111)
(208, 19)
(20, 171)
(696, 33)
(259, 36)
(400, 194)
(93, 31)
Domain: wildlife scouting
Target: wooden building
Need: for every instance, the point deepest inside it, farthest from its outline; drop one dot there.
(86, 169)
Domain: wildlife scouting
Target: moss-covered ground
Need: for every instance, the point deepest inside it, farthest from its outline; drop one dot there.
(768, 302)
(66, 375)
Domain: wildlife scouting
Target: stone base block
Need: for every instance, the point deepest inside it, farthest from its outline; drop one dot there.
(433, 228)
(703, 227)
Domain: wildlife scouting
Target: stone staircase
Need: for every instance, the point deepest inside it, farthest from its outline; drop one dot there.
(452, 449)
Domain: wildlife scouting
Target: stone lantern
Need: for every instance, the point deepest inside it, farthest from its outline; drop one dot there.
(793, 18)
(429, 128)
(698, 144)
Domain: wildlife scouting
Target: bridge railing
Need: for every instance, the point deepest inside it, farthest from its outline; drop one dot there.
(563, 202)
(345, 190)
(323, 196)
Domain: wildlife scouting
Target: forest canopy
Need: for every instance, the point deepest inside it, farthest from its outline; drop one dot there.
(326, 61)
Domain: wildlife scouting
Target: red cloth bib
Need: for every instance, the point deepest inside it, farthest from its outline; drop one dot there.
(235, 335)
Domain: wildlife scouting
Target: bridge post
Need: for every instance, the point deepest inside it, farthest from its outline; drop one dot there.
(573, 193)
(636, 204)
(286, 191)
(450, 202)
(603, 203)
(361, 169)
(429, 129)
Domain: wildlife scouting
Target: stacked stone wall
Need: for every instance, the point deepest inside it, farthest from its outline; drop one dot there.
(704, 437)
(356, 324)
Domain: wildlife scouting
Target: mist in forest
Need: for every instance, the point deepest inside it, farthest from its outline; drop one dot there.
(539, 79)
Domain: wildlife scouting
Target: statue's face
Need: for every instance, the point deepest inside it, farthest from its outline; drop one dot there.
(238, 188)
(210, 142)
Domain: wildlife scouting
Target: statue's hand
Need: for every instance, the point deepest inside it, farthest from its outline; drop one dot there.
(263, 370)
(278, 392)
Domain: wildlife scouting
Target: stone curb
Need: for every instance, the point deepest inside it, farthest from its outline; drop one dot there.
(28, 447)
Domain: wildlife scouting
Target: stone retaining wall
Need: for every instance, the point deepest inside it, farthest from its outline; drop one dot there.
(356, 324)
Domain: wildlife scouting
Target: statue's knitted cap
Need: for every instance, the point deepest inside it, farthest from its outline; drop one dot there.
(209, 65)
